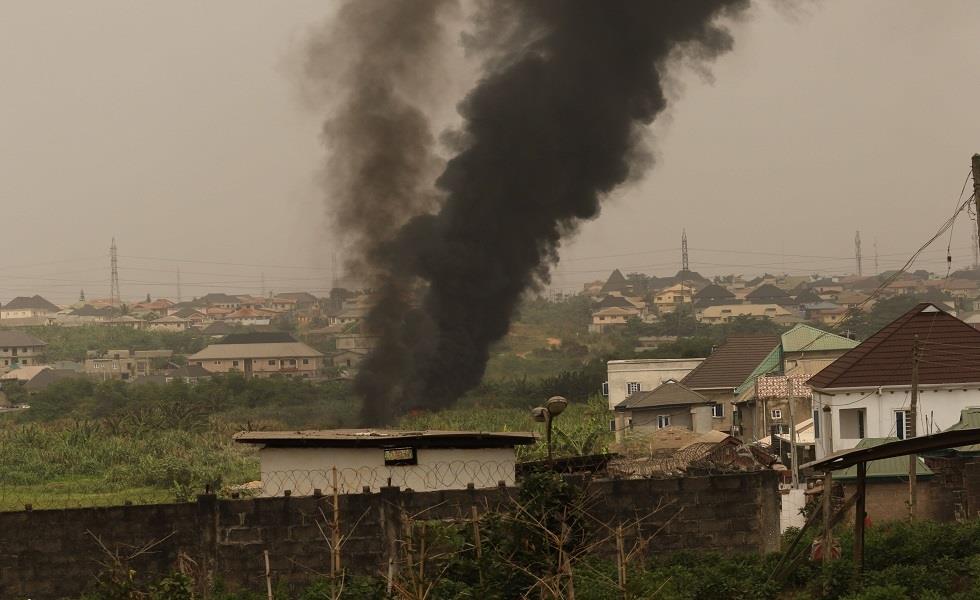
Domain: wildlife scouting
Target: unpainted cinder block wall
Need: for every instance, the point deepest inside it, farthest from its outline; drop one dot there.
(50, 554)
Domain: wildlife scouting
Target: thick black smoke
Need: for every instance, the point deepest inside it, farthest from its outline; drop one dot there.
(555, 124)
(375, 64)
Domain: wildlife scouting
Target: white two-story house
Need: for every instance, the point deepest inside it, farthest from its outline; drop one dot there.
(866, 393)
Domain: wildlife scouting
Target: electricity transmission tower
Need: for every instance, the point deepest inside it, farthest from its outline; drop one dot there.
(857, 252)
(685, 265)
(114, 295)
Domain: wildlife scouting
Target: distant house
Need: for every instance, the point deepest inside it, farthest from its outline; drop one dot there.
(124, 364)
(219, 300)
(89, 313)
(196, 317)
(18, 349)
(865, 392)
(768, 293)
(160, 306)
(616, 283)
(304, 300)
(828, 313)
(723, 313)
(348, 315)
(281, 304)
(126, 321)
(171, 323)
(670, 299)
(614, 316)
(37, 378)
(260, 355)
(671, 404)
(713, 295)
(28, 307)
(251, 316)
(302, 461)
(807, 296)
(349, 360)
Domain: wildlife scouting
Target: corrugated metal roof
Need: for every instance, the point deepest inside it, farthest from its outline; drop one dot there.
(379, 438)
(802, 338)
(731, 363)
(886, 468)
(969, 419)
(950, 353)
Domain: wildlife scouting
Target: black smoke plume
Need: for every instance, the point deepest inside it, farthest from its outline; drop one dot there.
(554, 125)
(374, 64)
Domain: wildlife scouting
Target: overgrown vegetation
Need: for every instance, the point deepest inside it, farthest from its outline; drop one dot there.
(545, 546)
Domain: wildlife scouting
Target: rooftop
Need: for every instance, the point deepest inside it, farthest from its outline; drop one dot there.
(731, 363)
(224, 350)
(950, 353)
(886, 468)
(19, 338)
(669, 393)
(802, 338)
(30, 302)
(386, 438)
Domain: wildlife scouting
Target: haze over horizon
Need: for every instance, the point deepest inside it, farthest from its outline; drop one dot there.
(179, 129)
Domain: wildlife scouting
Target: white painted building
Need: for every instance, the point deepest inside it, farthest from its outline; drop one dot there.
(624, 377)
(866, 393)
(304, 461)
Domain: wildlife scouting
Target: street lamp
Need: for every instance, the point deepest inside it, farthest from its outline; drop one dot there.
(547, 413)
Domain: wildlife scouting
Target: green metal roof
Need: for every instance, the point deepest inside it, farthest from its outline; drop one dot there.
(886, 468)
(806, 338)
(772, 362)
(969, 419)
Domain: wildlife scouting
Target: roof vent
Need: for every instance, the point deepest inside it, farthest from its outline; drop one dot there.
(931, 309)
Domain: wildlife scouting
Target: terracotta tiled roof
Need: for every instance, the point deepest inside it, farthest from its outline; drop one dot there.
(731, 363)
(950, 353)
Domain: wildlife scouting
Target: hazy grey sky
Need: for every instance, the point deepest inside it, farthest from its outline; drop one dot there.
(178, 128)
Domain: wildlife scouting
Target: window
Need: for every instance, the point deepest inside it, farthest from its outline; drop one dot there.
(718, 410)
(663, 421)
(306, 361)
(612, 424)
(902, 425)
(291, 362)
(852, 423)
(816, 424)
(777, 413)
(272, 363)
(400, 457)
(217, 362)
(605, 388)
(234, 363)
(632, 387)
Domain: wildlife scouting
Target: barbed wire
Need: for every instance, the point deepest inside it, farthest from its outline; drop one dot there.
(356, 480)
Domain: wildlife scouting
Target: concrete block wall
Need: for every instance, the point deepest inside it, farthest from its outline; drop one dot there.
(49, 554)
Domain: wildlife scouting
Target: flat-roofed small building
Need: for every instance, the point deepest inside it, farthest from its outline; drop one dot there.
(304, 461)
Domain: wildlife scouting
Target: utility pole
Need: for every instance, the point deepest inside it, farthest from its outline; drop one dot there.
(857, 252)
(913, 418)
(179, 299)
(976, 193)
(794, 463)
(876, 257)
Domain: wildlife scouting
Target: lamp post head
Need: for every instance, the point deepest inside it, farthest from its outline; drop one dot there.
(540, 414)
(556, 405)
